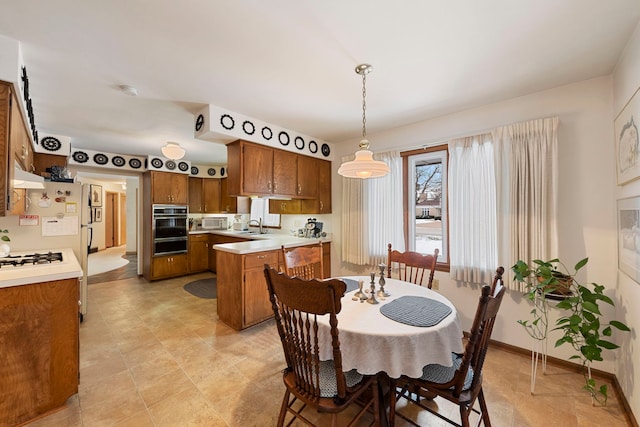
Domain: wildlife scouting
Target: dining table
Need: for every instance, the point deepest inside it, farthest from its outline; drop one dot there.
(411, 327)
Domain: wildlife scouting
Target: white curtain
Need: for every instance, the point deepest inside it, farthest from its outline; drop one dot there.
(355, 243)
(531, 203)
(385, 210)
(372, 214)
(473, 239)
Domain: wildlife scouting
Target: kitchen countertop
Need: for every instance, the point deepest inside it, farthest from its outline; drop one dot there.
(28, 274)
(259, 242)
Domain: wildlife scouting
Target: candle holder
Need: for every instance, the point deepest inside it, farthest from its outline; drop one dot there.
(382, 293)
(372, 296)
(359, 295)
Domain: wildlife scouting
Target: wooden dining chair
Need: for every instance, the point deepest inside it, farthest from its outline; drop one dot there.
(412, 266)
(304, 261)
(321, 385)
(461, 383)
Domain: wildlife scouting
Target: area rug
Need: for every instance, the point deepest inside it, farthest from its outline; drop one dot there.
(203, 288)
(106, 260)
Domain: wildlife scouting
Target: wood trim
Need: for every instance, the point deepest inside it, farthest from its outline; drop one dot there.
(440, 266)
(565, 364)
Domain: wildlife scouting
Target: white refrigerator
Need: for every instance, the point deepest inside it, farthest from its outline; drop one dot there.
(58, 217)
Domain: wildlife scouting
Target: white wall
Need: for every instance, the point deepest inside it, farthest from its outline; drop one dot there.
(626, 80)
(586, 203)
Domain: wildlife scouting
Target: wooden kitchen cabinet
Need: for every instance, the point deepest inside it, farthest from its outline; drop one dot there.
(195, 195)
(40, 363)
(15, 148)
(258, 170)
(285, 207)
(307, 177)
(217, 239)
(211, 195)
(163, 267)
(321, 204)
(171, 188)
(243, 298)
(198, 253)
(285, 166)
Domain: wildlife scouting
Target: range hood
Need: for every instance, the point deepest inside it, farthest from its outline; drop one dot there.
(23, 179)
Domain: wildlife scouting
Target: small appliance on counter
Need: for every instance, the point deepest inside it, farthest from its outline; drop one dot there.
(240, 223)
(312, 229)
(214, 223)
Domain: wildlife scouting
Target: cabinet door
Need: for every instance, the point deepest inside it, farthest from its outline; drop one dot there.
(198, 253)
(195, 195)
(19, 138)
(228, 204)
(307, 177)
(257, 169)
(5, 97)
(169, 266)
(322, 202)
(324, 186)
(285, 173)
(170, 187)
(278, 206)
(211, 195)
(257, 306)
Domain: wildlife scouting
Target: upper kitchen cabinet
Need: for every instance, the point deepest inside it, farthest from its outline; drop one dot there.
(195, 195)
(204, 195)
(171, 188)
(258, 170)
(15, 147)
(321, 204)
(232, 204)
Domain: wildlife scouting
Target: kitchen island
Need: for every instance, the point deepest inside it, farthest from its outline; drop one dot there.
(39, 336)
(243, 299)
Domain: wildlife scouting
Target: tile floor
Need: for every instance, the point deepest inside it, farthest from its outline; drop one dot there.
(151, 354)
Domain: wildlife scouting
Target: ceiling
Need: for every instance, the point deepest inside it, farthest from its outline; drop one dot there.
(291, 62)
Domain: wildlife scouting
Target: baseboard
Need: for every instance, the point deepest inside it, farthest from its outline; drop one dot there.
(576, 368)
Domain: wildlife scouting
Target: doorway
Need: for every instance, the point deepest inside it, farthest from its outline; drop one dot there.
(115, 219)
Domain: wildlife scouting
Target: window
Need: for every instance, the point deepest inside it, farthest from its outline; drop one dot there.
(426, 199)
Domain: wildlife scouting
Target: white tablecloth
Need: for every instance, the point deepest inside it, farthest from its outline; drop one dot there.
(372, 343)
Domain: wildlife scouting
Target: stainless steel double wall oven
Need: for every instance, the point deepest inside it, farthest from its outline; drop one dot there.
(170, 229)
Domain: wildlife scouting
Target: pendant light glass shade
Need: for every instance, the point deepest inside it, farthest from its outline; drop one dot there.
(364, 166)
(173, 151)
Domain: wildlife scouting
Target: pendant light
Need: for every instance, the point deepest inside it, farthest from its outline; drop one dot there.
(173, 151)
(364, 166)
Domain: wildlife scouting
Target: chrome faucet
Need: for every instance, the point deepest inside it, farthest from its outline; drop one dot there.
(258, 223)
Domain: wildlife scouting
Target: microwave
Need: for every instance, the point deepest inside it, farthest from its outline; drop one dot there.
(214, 223)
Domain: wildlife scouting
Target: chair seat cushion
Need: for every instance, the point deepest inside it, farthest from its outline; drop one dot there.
(328, 383)
(442, 374)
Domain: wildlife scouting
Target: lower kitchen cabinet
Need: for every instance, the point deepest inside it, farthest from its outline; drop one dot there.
(198, 253)
(216, 239)
(39, 333)
(243, 298)
(163, 267)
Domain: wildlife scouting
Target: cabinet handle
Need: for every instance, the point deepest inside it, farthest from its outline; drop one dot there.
(261, 256)
(321, 205)
(269, 185)
(299, 189)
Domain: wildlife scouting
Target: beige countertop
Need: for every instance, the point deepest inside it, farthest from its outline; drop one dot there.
(68, 268)
(259, 242)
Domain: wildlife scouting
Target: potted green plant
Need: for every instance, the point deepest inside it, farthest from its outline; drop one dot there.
(581, 324)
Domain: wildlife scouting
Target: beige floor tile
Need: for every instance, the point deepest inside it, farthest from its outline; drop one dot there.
(187, 408)
(154, 355)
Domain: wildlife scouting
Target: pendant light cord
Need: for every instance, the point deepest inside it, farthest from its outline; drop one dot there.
(364, 105)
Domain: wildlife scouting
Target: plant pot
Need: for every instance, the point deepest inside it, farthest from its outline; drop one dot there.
(560, 287)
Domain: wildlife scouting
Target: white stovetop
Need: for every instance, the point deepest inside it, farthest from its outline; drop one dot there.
(27, 274)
